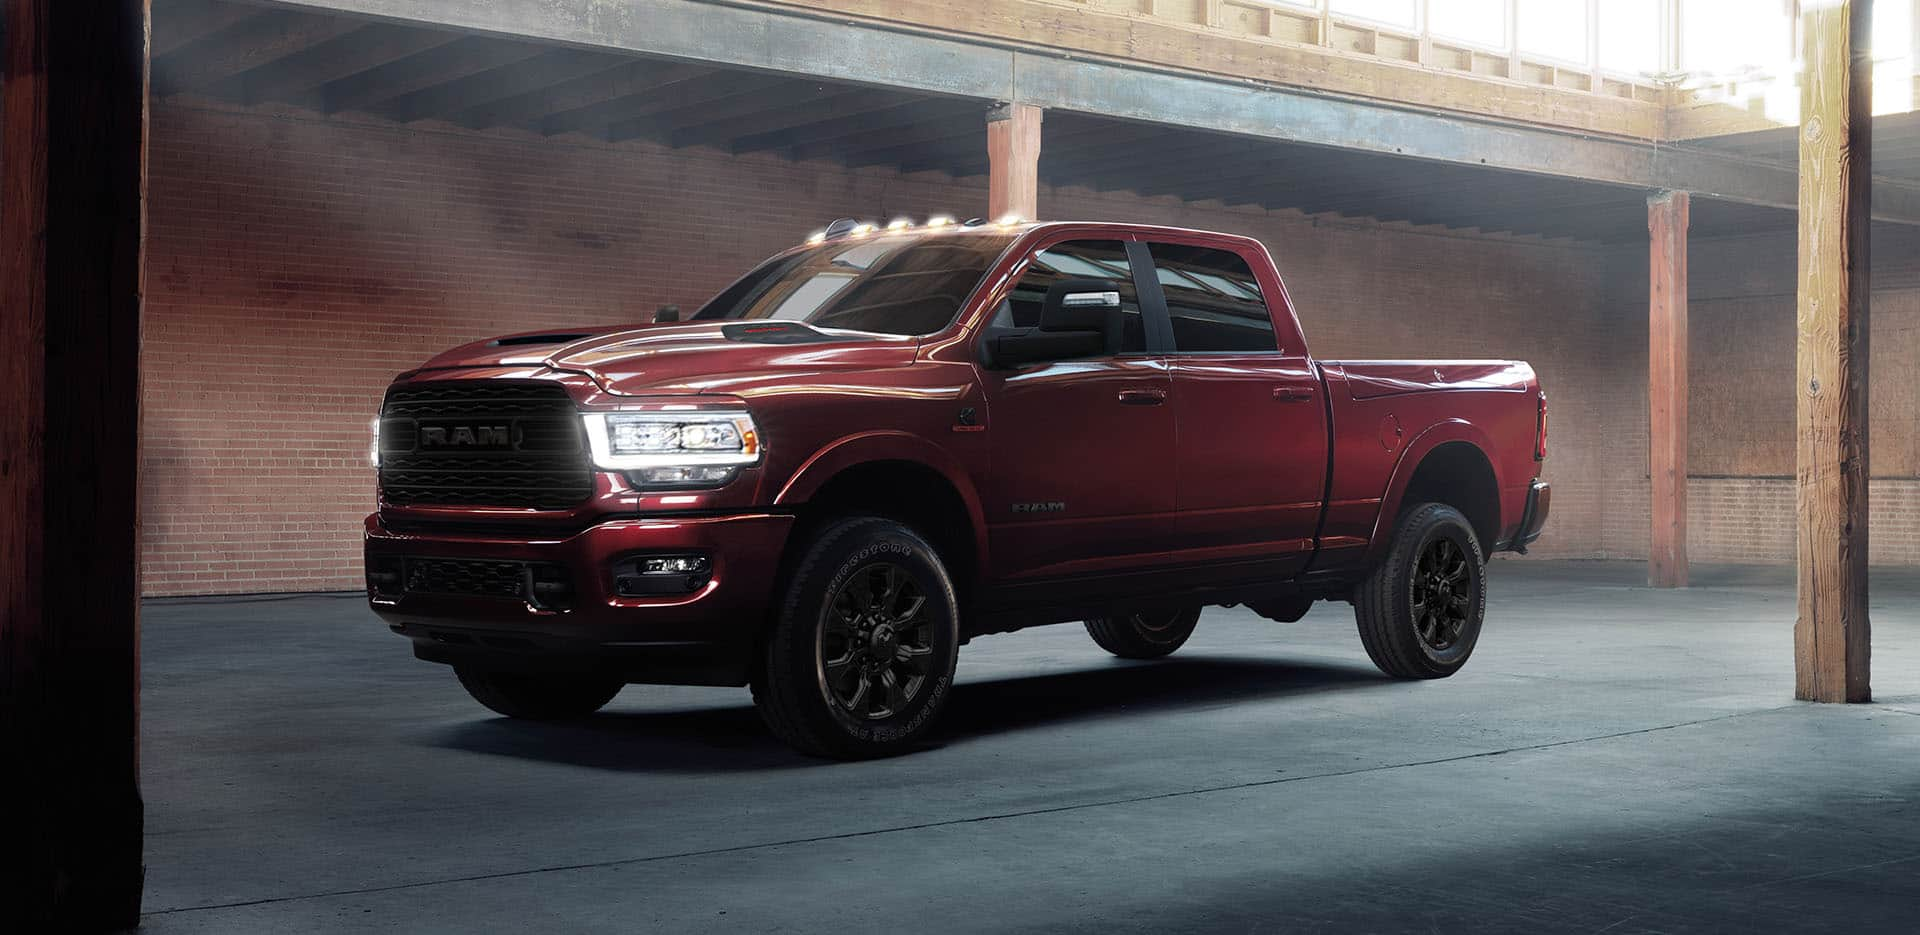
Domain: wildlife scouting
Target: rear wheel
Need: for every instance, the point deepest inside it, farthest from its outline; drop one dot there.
(861, 657)
(1419, 613)
(1144, 635)
(538, 697)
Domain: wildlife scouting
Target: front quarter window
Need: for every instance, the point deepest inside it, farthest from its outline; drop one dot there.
(899, 284)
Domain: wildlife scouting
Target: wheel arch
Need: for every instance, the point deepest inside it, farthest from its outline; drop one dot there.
(1446, 463)
(899, 476)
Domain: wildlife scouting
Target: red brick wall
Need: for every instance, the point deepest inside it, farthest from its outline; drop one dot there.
(297, 263)
(1741, 394)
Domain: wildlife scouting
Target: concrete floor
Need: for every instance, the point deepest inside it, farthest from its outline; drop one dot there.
(1612, 759)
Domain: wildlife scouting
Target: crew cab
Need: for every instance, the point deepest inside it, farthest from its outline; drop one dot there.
(885, 442)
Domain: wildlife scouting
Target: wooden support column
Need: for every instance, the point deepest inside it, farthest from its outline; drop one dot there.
(72, 184)
(1667, 219)
(1013, 157)
(1836, 103)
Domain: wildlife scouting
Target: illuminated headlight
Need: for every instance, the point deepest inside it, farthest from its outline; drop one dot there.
(685, 448)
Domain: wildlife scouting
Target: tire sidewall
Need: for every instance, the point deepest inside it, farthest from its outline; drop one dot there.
(1444, 524)
(839, 555)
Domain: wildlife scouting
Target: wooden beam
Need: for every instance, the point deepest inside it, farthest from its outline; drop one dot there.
(1013, 154)
(1836, 103)
(638, 113)
(533, 107)
(455, 60)
(189, 21)
(830, 136)
(254, 42)
(468, 93)
(295, 78)
(72, 179)
(1668, 215)
(832, 105)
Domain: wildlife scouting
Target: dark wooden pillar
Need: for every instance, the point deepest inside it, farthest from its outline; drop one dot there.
(1836, 103)
(1013, 159)
(1667, 219)
(72, 182)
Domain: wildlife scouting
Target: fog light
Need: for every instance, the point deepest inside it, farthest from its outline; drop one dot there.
(652, 575)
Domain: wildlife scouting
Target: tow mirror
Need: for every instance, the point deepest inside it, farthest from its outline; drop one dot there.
(1078, 318)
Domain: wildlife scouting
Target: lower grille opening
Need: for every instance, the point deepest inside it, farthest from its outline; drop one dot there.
(542, 584)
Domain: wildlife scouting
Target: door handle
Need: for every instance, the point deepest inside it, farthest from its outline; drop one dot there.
(1142, 397)
(1292, 394)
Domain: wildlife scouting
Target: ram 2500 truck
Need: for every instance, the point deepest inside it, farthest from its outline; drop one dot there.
(881, 444)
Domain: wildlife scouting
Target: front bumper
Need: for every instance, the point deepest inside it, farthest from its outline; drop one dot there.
(704, 636)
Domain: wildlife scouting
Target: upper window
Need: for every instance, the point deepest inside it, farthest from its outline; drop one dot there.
(1213, 300)
(1076, 259)
(883, 283)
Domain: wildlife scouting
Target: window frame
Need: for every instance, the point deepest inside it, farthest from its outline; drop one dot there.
(1163, 313)
(1154, 325)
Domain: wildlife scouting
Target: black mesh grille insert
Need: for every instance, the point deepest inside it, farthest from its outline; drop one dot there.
(466, 576)
(483, 443)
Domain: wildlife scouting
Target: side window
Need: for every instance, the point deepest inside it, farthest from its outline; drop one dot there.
(1213, 300)
(1076, 259)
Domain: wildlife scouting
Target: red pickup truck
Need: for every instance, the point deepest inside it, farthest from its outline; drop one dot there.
(887, 441)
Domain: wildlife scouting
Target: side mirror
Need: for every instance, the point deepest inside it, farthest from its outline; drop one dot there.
(666, 313)
(1078, 318)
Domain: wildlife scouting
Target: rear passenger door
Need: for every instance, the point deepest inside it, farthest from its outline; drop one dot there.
(1249, 417)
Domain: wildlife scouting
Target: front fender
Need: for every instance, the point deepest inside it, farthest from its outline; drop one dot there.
(869, 447)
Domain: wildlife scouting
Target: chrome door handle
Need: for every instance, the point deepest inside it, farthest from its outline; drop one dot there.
(1142, 397)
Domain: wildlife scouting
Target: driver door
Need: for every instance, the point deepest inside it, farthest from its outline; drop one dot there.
(1080, 481)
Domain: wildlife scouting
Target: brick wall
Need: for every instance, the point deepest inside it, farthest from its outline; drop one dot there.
(1741, 397)
(297, 263)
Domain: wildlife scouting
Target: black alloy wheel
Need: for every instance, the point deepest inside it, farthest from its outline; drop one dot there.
(1419, 611)
(1441, 594)
(875, 650)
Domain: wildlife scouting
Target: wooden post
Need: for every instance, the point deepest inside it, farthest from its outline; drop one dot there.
(72, 185)
(1836, 103)
(1013, 159)
(1667, 219)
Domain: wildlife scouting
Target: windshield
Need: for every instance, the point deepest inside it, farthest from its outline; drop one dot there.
(904, 284)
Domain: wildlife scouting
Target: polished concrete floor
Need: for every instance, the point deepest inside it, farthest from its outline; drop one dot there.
(1613, 759)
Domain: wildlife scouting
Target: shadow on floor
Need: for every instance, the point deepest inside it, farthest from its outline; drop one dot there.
(733, 738)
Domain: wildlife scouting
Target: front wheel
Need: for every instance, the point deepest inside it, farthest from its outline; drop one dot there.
(861, 656)
(1419, 613)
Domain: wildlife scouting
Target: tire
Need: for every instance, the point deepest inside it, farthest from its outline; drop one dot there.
(1145, 635)
(538, 697)
(1434, 556)
(860, 658)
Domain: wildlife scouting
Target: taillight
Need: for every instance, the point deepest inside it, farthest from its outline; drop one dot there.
(1540, 431)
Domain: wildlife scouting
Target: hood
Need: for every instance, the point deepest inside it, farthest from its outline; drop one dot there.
(731, 357)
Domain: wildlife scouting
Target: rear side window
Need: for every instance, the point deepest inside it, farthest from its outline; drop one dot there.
(1076, 259)
(1213, 300)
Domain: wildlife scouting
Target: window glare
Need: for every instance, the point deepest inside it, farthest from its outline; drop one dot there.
(1630, 36)
(1402, 13)
(1723, 36)
(1481, 22)
(1554, 28)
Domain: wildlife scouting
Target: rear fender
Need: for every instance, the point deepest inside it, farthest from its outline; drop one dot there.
(1416, 452)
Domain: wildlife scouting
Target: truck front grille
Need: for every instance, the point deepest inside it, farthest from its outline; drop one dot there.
(483, 443)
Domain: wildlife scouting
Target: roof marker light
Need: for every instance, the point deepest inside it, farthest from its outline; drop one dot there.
(816, 236)
(939, 220)
(862, 230)
(1009, 220)
(899, 224)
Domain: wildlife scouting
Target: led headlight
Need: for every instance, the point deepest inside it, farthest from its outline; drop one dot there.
(674, 448)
